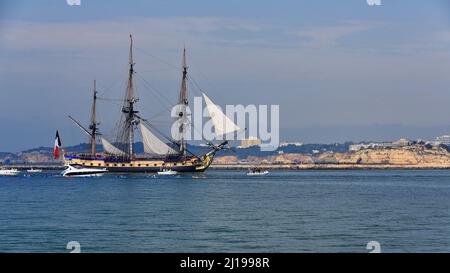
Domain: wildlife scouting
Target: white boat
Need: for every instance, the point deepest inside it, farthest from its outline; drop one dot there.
(80, 171)
(32, 170)
(257, 172)
(9, 172)
(167, 172)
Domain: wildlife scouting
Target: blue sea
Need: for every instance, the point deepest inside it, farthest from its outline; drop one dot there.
(227, 211)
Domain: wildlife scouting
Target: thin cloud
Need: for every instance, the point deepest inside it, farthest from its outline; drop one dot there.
(17, 35)
(323, 36)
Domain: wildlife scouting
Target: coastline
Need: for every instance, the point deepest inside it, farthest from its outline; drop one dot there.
(286, 166)
(333, 167)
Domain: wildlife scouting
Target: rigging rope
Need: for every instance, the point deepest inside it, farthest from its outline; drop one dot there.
(176, 67)
(151, 87)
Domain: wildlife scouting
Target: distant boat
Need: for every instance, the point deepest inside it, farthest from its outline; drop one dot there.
(167, 172)
(32, 170)
(79, 171)
(9, 172)
(257, 172)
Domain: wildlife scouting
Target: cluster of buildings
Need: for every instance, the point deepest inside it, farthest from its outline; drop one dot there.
(401, 143)
(250, 142)
(380, 145)
(254, 141)
(445, 140)
(440, 140)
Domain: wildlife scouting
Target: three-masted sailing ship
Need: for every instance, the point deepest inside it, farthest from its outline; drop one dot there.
(119, 156)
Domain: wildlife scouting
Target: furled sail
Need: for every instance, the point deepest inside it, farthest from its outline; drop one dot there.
(152, 144)
(182, 114)
(223, 125)
(111, 149)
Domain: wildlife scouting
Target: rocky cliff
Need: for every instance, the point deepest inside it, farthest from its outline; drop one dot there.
(27, 157)
(410, 155)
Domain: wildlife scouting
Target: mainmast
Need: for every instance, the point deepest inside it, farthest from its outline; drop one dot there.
(94, 125)
(183, 103)
(128, 109)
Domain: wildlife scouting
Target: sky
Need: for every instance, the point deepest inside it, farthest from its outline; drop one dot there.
(340, 70)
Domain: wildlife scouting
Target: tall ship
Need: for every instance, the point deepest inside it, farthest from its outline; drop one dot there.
(160, 152)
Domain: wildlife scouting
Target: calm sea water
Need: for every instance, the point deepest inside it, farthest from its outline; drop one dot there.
(226, 211)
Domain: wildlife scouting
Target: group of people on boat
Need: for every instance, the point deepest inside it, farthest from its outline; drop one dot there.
(257, 171)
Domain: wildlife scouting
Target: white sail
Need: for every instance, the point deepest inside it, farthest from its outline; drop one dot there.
(223, 125)
(111, 149)
(152, 144)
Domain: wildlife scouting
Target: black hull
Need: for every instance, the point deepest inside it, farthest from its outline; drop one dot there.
(189, 169)
(140, 165)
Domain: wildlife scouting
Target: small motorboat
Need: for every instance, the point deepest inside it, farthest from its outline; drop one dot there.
(257, 172)
(167, 172)
(80, 171)
(9, 172)
(32, 170)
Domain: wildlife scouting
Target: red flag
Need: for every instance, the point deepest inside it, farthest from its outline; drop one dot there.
(57, 145)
